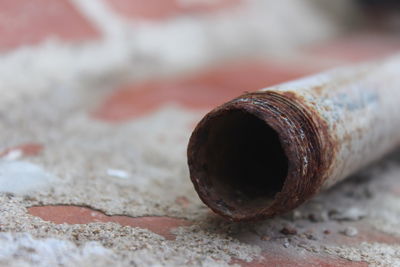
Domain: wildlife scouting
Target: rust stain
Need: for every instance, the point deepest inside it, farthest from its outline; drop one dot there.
(60, 214)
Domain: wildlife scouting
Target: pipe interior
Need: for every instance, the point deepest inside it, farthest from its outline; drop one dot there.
(245, 163)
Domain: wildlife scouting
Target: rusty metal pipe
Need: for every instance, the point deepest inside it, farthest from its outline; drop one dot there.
(265, 153)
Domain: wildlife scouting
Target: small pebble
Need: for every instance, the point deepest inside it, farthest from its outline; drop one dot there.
(327, 232)
(310, 235)
(297, 215)
(350, 231)
(303, 244)
(265, 238)
(332, 212)
(286, 244)
(351, 214)
(293, 216)
(312, 217)
(318, 217)
(287, 230)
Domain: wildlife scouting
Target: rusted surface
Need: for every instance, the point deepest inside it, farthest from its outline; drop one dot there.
(303, 137)
(327, 127)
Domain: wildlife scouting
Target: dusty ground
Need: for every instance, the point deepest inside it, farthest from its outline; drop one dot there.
(79, 189)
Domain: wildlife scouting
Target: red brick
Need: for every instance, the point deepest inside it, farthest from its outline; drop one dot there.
(164, 9)
(306, 260)
(60, 214)
(356, 48)
(26, 22)
(30, 149)
(201, 91)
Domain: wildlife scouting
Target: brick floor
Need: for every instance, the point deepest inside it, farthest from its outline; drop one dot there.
(24, 22)
(156, 10)
(203, 90)
(60, 214)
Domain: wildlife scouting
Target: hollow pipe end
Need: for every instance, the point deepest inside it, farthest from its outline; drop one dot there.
(259, 155)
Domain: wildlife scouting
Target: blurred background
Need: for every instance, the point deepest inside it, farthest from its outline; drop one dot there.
(119, 43)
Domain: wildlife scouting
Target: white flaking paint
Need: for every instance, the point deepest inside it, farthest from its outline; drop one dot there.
(13, 154)
(23, 250)
(21, 177)
(118, 173)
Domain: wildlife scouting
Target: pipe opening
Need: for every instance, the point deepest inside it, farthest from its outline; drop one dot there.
(242, 162)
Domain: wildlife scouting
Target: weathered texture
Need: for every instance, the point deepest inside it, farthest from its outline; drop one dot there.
(267, 152)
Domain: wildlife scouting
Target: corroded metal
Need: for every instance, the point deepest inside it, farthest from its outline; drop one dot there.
(328, 126)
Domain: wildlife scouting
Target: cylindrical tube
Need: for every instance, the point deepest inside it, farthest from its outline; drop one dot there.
(265, 153)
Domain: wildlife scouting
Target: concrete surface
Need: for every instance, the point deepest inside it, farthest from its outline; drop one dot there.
(94, 127)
